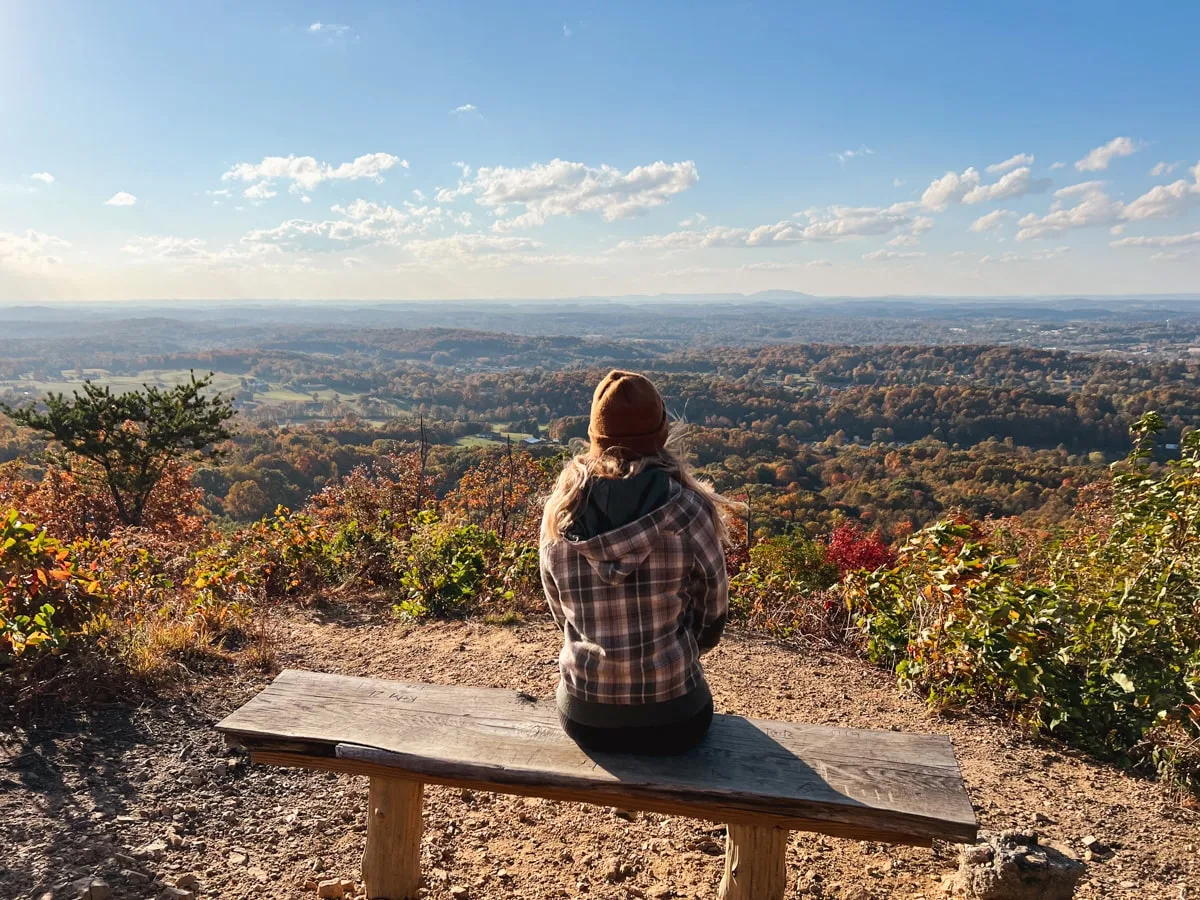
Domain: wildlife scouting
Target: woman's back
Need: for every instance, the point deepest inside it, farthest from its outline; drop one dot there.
(634, 574)
(635, 601)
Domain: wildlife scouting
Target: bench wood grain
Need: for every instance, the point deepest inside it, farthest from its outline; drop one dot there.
(870, 785)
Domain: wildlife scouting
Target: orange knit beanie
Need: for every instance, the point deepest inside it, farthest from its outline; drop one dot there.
(628, 416)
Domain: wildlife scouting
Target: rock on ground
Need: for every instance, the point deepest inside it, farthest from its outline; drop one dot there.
(1012, 865)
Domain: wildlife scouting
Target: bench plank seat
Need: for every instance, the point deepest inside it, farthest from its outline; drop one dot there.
(876, 785)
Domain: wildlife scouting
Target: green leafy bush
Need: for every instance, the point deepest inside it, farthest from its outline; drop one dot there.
(1101, 647)
(47, 598)
(783, 588)
(446, 568)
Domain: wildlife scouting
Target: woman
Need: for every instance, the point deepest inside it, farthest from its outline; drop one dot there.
(634, 572)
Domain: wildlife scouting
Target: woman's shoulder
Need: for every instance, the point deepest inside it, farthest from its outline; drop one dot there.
(691, 506)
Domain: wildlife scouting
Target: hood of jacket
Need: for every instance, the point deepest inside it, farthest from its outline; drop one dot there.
(615, 553)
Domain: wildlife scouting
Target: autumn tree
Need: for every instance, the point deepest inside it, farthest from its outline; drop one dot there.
(246, 500)
(133, 437)
(503, 493)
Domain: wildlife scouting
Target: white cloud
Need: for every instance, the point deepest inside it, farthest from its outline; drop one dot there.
(1058, 165)
(121, 198)
(305, 236)
(1175, 255)
(563, 188)
(692, 221)
(31, 251)
(950, 188)
(1092, 206)
(904, 240)
(841, 222)
(1117, 229)
(306, 199)
(353, 262)
(889, 255)
(188, 252)
(465, 109)
(567, 32)
(1162, 168)
(1166, 240)
(1037, 256)
(329, 29)
(1016, 183)
(418, 195)
(363, 224)
(305, 173)
(819, 264)
(1021, 159)
(43, 177)
(897, 182)
(1098, 159)
(847, 155)
(467, 246)
(1166, 200)
(968, 187)
(832, 223)
(716, 236)
(222, 192)
(260, 191)
(991, 221)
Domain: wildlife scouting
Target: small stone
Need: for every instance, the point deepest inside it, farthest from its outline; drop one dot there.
(188, 881)
(459, 892)
(220, 768)
(259, 875)
(238, 857)
(613, 870)
(134, 876)
(331, 888)
(176, 893)
(152, 850)
(348, 885)
(87, 889)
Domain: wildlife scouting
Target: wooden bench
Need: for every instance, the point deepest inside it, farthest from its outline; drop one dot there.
(760, 778)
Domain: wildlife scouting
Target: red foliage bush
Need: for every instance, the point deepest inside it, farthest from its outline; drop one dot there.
(850, 549)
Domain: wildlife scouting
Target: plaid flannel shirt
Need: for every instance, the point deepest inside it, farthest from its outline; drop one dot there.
(631, 602)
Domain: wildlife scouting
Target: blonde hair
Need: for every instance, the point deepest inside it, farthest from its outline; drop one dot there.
(575, 480)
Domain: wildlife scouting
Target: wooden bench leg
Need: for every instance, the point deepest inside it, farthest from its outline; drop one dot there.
(755, 863)
(391, 866)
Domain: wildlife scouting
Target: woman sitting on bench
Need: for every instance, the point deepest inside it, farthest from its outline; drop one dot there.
(633, 567)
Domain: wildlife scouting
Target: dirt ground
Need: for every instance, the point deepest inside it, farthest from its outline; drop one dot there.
(142, 796)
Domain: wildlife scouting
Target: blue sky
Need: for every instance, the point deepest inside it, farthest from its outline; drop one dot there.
(436, 149)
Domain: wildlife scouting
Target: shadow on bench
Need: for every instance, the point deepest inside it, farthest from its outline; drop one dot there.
(762, 778)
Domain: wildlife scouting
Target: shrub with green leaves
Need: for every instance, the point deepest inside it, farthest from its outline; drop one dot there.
(783, 588)
(46, 597)
(445, 569)
(1101, 647)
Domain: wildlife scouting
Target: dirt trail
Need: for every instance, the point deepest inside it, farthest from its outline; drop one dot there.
(152, 791)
